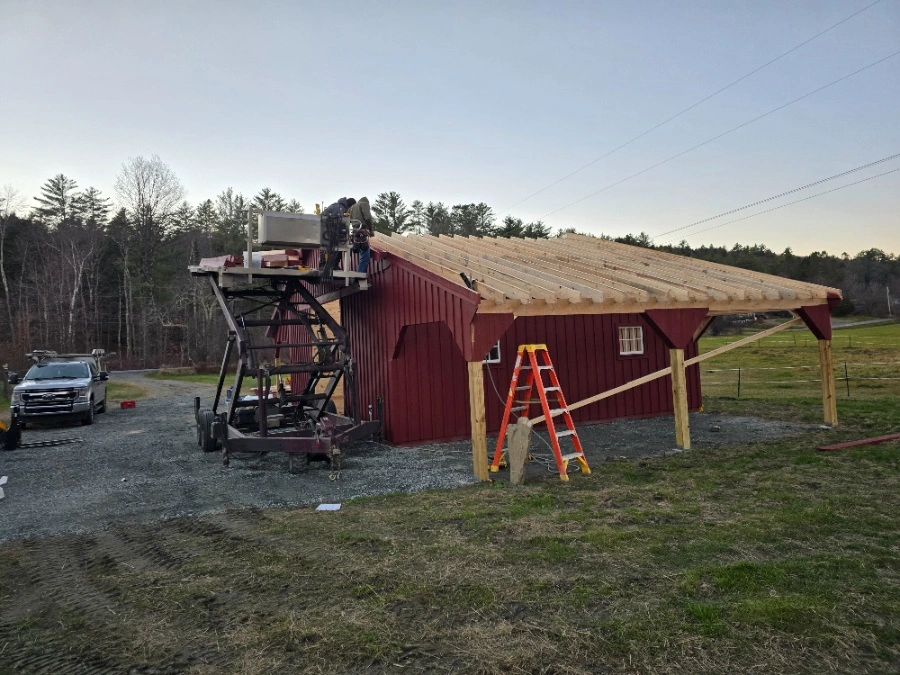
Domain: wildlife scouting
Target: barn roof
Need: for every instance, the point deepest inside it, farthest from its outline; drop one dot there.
(577, 274)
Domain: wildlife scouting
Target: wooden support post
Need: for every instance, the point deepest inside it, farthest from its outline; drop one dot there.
(826, 368)
(680, 399)
(476, 416)
(519, 442)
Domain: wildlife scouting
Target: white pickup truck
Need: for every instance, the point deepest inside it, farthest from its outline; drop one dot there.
(61, 386)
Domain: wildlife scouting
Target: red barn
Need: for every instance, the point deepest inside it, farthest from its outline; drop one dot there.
(439, 326)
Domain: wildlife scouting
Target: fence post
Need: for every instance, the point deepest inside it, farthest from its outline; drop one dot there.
(739, 383)
(847, 379)
(6, 380)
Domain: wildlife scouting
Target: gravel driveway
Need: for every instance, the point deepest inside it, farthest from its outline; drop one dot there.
(143, 465)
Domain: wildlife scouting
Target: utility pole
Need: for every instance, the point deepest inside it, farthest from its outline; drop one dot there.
(887, 289)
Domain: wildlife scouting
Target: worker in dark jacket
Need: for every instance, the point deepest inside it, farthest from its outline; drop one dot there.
(360, 212)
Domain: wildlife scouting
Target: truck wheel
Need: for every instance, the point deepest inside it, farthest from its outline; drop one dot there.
(89, 415)
(102, 408)
(204, 431)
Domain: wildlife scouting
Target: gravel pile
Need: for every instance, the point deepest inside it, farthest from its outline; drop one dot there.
(143, 465)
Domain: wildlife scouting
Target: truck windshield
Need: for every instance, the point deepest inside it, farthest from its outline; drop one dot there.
(57, 371)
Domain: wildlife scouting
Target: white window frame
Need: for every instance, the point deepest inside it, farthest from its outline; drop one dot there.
(490, 358)
(631, 340)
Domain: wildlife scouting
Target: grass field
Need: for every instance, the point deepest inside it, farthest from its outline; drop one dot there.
(786, 365)
(769, 557)
(205, 378)
(124, 391)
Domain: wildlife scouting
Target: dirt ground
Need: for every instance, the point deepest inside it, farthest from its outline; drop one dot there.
(143, 465)
(90, 529)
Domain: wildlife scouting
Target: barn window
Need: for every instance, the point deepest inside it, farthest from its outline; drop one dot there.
(631, 340)
(493, 356)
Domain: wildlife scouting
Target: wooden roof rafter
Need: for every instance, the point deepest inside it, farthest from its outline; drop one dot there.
(577, 274)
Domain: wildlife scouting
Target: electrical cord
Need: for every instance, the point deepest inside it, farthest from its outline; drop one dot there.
(690, 107)
(549, 461)
(721, 135)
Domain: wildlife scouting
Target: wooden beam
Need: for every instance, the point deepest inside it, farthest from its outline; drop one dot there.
(680, 399)
(864, 441)
(477, 418)
(666, 371)
(826, 368)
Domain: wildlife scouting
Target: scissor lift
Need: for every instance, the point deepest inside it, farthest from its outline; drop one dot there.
(278, 329)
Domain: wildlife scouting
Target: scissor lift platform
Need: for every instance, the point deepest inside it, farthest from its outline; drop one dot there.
(261, 307)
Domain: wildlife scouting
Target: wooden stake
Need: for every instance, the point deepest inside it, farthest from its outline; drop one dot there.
(680, 399)
(477, 417)
(519, 442)
(826, 368)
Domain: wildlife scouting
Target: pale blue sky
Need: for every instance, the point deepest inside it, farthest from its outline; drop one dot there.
(468, 102)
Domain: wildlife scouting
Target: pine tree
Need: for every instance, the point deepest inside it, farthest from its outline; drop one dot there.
(437, 219)
(294, 206)
(58, 200)
(391, 214)
(92, 207)
(268, 200)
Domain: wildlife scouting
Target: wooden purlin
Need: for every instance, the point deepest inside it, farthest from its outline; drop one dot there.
(497, 290)
(587, 271)
(467, 261)
(573, 291)
(803, 288)
(719, 290)
(684, 273)
(580, 274)
(550, 271)
(682, 291)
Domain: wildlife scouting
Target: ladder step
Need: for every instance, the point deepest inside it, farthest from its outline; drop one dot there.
(572, 455)
(551, 388)
(545, 367)
(522, 388)
(518, 407)
(567, 432)
(558, 411)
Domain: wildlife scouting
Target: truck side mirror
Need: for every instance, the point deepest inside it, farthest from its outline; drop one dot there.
(104, 376)
(13, 378)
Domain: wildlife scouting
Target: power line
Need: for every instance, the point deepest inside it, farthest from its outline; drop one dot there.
(779, 196)
(797, 201)
(690, 107)
(724, 133)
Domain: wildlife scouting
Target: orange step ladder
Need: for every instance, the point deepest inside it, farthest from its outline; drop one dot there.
(519, 402)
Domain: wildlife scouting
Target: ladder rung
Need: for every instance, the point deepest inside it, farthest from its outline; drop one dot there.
(567, 432)
(522, 388)
(558, 411)
(518, 407)
(524, 367)
(545, 367)
(551, 388)
(572, 455)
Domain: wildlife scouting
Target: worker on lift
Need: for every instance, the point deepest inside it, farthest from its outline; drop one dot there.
(360, 212)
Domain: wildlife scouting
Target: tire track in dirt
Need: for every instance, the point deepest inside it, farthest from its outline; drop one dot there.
(78, 579)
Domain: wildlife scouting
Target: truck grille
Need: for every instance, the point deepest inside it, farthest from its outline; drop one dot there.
(48, 401)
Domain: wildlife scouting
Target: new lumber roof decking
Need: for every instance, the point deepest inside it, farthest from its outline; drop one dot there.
(576, 274)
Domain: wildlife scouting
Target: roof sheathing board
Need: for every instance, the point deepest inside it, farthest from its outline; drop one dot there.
(575, 274)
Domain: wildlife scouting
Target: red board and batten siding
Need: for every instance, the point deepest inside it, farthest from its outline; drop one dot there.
(410, 330)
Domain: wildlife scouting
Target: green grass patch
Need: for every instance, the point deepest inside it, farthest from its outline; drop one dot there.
(125, 391)
(200, 378)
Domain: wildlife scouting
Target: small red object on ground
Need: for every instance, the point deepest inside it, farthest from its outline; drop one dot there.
(127, 404)
(864, 441)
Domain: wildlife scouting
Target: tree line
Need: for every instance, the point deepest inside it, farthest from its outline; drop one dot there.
(77, 272)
